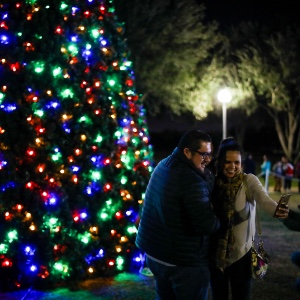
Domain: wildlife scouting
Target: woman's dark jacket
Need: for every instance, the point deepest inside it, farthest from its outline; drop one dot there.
(177, 216)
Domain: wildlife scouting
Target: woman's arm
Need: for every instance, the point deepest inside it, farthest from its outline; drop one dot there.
(262, 197)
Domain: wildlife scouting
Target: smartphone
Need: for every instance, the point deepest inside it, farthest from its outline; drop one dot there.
(284, 199)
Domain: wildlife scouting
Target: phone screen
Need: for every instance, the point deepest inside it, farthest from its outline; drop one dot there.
(284, 200)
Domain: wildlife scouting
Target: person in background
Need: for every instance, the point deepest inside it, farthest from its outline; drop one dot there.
(293, 223)
(177, 219)
(249, 166)
(231, 245)
(295, 258)
(288, 173)
(265, 170)
(278, 174)
(297, 174)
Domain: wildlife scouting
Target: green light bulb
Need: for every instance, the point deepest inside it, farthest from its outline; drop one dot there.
(31, 2)
(132, 230)
(129, 92)
(73, 49)
(63, 6)
(128, 63)
(56, 72)
(39, 113)
(134, 141)
(118, 134)
(53, 221)
(67, 93)
(12, 235)
(85, 238)
(3, 248)
(56, 157)
(39, 69)
(103, 215)
(120, 263)
(58, 266)
(95, 33)
(99, 138)
(124, 179)
(96, 175)
(111, 82)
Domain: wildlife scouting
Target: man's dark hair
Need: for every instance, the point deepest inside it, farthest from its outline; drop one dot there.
(192, 139)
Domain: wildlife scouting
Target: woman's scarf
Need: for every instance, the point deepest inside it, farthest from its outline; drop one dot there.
(223, 200)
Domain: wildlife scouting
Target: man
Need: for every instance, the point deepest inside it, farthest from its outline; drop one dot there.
(177, 218)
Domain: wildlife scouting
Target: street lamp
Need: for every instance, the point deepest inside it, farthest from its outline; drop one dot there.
(224, 96)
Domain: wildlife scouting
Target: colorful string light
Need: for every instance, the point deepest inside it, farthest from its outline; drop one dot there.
(74, 147)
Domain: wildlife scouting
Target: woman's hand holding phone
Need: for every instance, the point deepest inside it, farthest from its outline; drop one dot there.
(282, 209)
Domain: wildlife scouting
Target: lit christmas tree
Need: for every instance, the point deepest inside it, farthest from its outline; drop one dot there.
(74, 146)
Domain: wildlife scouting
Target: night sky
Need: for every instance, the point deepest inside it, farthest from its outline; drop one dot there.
(236, 11)
(231, 12)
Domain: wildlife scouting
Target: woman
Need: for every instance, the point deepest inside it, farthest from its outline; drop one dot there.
(231, 246)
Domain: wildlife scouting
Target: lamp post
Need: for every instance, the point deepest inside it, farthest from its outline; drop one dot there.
(224, 96)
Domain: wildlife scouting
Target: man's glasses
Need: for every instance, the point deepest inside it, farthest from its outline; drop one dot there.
(204, 154)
